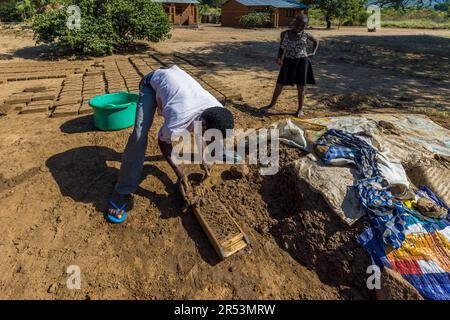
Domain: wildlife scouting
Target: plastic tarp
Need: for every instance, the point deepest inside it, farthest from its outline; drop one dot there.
(335, 184)
(417, 137)
(416, 132)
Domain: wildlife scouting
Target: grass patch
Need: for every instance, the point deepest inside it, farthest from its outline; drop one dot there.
(415, 24)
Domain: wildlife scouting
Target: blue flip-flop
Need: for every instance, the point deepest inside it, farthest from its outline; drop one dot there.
(113, 219)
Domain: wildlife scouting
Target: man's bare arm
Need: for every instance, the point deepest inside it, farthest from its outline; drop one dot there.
(166, 150)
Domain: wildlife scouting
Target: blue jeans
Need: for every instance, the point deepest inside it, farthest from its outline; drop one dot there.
(134, 154)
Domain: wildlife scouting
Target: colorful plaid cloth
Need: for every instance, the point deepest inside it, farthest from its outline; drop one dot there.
(418, 249)
(386, 214)
(423, 259)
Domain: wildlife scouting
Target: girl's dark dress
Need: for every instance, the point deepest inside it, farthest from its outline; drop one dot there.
(296, 68)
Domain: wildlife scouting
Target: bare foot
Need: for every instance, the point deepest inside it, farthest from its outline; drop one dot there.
(300, 114)
(269, 106)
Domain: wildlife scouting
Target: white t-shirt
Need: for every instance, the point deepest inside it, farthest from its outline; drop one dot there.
(181, 101)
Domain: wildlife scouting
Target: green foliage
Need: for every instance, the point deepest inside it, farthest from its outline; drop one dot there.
(22, 10)
(211, 3)
(206, 9)
(105, 25)
(444, 6)
(256, 20)
(415, 18)
(339, 10)
(9, 13)
(26, 9)
(409, 17)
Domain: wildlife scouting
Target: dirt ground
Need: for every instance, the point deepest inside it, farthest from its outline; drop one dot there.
(56, 175)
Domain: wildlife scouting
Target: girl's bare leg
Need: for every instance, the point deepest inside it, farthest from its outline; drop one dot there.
(301, 99)
(276, 94)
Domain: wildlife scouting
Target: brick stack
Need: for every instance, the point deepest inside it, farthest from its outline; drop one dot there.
(141, 66)
(94, 85)
(129, 74)
(70, 97)
(37, 99)
(114, 80)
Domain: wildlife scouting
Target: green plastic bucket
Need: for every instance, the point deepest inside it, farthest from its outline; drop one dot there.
(114, 111)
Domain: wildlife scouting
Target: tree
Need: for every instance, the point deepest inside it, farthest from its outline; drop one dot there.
(102, 26)
(444, 6)
(402, 4)
(212, 3)
(336, 9)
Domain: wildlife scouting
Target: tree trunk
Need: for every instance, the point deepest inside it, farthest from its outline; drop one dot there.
(328, 20)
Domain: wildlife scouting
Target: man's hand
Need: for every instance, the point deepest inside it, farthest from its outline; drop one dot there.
(205, 167)
(279, 61)
(183, 186)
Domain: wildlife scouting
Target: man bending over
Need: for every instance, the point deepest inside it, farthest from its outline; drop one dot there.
(181, 101)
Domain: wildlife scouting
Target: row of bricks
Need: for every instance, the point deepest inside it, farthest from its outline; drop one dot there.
(126, 68)
(9, 71)
(71, 90)
(39, 76)
(215, 87)
(114, 79)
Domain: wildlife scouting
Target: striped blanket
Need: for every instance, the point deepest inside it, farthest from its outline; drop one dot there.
(423, 259)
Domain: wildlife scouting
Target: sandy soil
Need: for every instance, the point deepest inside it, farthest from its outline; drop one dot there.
(57, 173)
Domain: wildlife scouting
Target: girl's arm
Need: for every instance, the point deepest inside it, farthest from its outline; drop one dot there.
(280, 49)
(315, 44)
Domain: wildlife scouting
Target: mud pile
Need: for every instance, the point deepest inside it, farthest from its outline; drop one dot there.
(302, 224)
(351, 101)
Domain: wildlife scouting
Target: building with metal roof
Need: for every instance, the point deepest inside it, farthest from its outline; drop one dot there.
(177, 1)
(273, 3)
(181, 12)
(282, 12)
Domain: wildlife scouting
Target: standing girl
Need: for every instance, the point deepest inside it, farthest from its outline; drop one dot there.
(296, 69)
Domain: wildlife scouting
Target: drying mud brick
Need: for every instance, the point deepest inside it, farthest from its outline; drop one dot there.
(47, 103)
(70, 96)
(34, 109)
(37, 88)
(6, 108)
(43, 96)
(65, 111)
(18, 99)
(94, 73)
(67, 102)
(20, 106)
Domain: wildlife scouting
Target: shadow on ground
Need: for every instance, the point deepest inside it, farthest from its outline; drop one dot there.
(83, 175)
(314, 235)
(78, 125)
(379, 65)
(45, 52)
